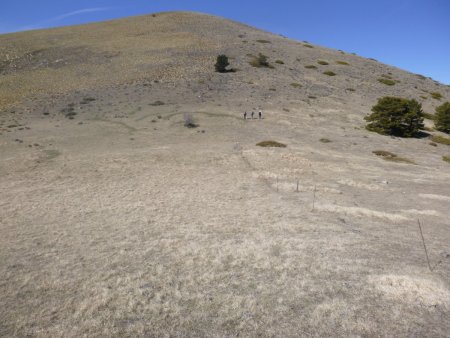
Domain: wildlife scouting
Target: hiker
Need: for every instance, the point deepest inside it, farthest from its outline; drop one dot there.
(252, 114)
(260, 114)
(245, 115)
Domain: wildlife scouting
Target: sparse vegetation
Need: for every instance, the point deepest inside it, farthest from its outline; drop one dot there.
(296, 85)
(87, 100)
(396, 116)
(387, 82)
(436, 95)
(446, 158)
(350, 89)
(271, 144)
(312, 97)
(263, 41)
(388, 156)
(281, 62)
(311, 67)
(343, 63)
(222, 63)
(329, 73)
(442, 117)
(260, 61)
(440, 139)
(156, 103)
(321, 62)
(308, 45)
(325, 140)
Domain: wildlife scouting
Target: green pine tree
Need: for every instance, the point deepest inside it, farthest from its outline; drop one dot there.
(396, 116)
(222, 63)
(442, 118)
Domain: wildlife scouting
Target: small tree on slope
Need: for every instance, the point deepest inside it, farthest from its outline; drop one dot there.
(222, 63)
(442, 118)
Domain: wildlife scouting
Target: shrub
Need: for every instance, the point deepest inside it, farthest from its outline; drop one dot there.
(329, 73)
(296, 85)
(350, 89)
(387, 82)
(308, 45)
(428, 116)
(310, 67)
(343, 63)
(321, 62)
(271, 144)
(442, 117)
(388, 156)
(156, 103)
(446, 158)
(222, 63)
(279, 62)
(436, 95)
(395, 116)
(440, 139)
(260, 61)
(263, 41)
(325, 140)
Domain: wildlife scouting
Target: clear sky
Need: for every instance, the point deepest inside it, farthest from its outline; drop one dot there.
(411, 34)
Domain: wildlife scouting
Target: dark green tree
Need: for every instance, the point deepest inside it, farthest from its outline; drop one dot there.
(442, 117)
(396, 116)
(222, 63)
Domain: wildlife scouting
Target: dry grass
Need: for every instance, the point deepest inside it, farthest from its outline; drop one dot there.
(387, 82)
(112, 225)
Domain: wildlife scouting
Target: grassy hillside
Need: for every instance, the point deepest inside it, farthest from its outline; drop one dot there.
(136, 200)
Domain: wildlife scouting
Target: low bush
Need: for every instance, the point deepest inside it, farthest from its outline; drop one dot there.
(446, 158)
(325, 140)
(350, 89)
(260, 61)
(343, 63)
(428, 116)
(308, 45)
(296, 85)
(271, 144)
(388, 156)
(156, 103)
(440, 139)
(387, 82)
(279, 62)
(329, 73)
(310, 67)
(321, 62)
(436, 95)
(263, 41)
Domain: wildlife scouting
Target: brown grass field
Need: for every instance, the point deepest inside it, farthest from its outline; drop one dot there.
(117, 220)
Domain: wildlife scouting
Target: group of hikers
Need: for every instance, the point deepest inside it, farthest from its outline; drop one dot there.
(253, 114)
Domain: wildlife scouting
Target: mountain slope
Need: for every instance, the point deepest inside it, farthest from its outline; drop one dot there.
(117, 220)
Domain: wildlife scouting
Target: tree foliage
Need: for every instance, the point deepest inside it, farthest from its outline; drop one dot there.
(222, 63)
(442, 118)
(396, 116)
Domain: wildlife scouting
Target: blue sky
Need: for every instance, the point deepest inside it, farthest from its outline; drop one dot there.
(411, 34)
